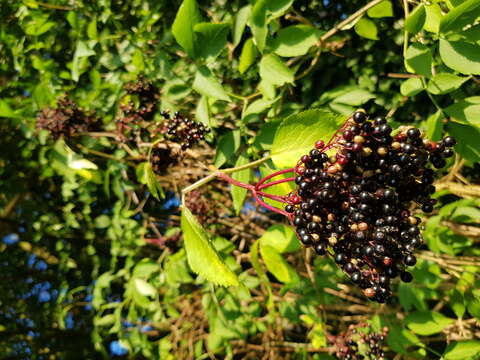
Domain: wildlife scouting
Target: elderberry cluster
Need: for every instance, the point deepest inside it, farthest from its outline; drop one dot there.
(66, 120)
(357, 204)
(183, 130)
(359, 342)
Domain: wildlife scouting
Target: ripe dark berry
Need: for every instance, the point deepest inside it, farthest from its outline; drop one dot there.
(449, 141)
(359, 117)
(410, 260)
(406, 276)
(413, 133)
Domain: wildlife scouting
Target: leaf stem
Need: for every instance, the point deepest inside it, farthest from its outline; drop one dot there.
(348, 20)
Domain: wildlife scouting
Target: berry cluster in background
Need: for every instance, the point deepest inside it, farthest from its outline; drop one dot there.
(360, 342)
(182, 130)
(356, 199)
(135, 123)
(67, 119)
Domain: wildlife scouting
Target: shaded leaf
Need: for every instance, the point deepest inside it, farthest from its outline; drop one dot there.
(227, 145)
(444, 83)
(418, 59)
(466, 111)
(414, 22)
(206, 84)
(277, 265)
(211, 39)
(457, 18)
(468, 146)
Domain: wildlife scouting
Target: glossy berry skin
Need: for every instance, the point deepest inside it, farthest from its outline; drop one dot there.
(359, 117)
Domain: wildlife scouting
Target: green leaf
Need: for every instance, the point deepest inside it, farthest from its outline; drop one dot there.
(227, 145)
(241, 19)
(277, 265)
(466, 111)
(206, 84)
(277, 8)
(427, 322)
(400, 340)
(82, 52)
(433, 18)
(459, 17)
(257, 107)
(202, 257)
(461, 56)
(38, 25)
(152, 182)
(411, 87)
(298, 133)
(418, 59)
(238, 193)
(384, 9)
(106, 320)
(463, 350)
(258, 24)
(211, 39)
(366, 28)
(355, 97)
(435, 126)
(187, 17)
(273, 70)
(144, 288)
(281, 237)
(457, 303)
(444, 83)
(469, 135)
(248, 55)
(414, 22)
(6, 110)
(295, 40)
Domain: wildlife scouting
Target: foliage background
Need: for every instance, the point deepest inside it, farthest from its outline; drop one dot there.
(93, 265)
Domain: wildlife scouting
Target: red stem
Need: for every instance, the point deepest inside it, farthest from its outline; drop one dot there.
(265, 205)
(256, 193)
(268, 177)
(264, 186)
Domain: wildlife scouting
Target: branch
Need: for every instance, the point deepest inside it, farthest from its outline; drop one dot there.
(348, 20)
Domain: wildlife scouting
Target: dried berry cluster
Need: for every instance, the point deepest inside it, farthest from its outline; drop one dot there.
(142, 99)
(358, 204)
(183, 130)
(67, 119)
(138, 107)
(359, 342)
